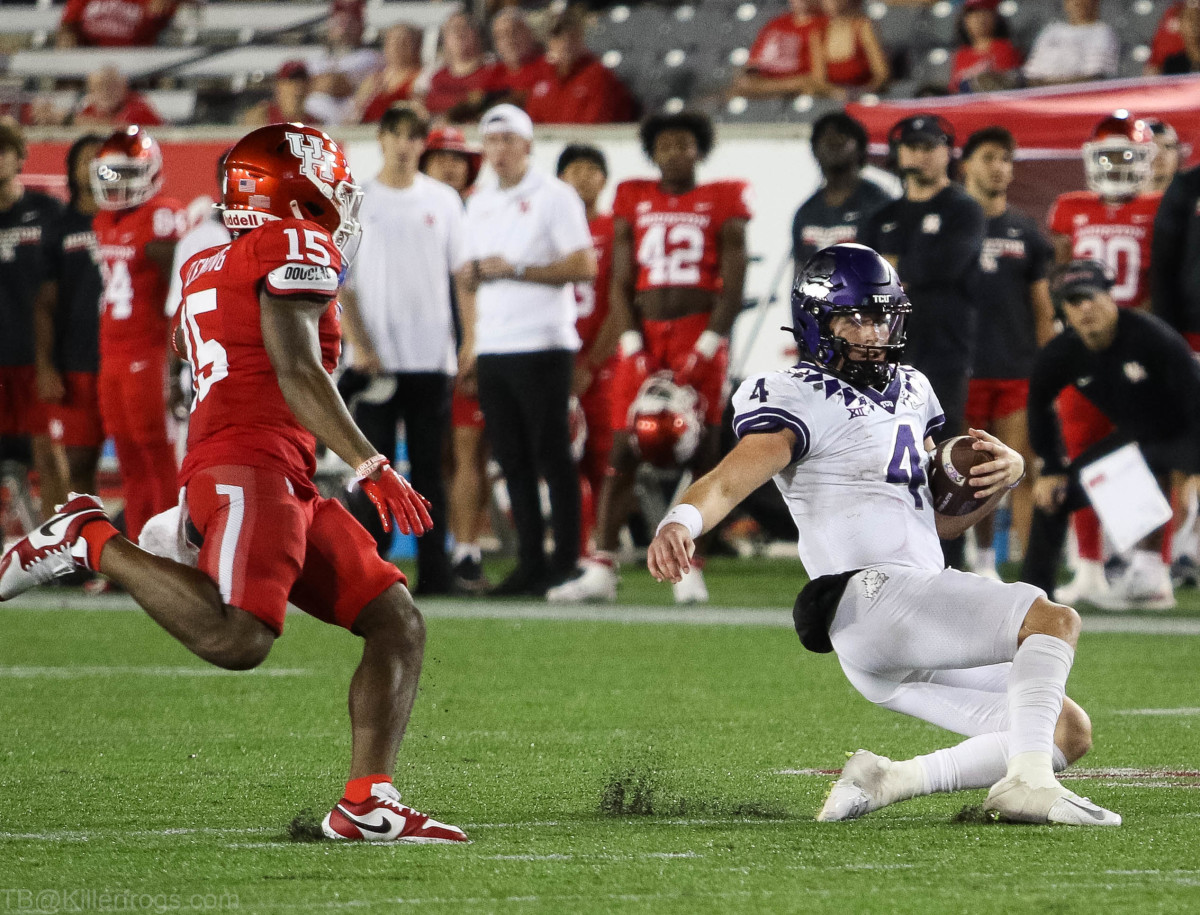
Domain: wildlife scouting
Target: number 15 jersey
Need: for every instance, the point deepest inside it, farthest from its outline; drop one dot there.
(857, 487)
(239, 415)
(676, 237)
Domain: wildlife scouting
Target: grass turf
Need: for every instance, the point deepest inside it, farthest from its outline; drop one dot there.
(598, 766)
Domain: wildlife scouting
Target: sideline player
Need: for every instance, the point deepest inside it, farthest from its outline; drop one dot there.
(136, 232)
(259, 319)
(585, 169)
(845, 435)
(678, 266)
(1112, 222)
(1016, 316)
(67, 331)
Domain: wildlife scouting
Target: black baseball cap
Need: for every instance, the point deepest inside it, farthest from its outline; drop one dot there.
(922, 128)
(1080, 279)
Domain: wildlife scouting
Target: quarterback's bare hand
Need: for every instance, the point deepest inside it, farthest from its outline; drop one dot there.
(670, 555)
(1005, 468)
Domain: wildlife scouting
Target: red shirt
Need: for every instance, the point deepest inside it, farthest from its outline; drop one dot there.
(1118, 235)
(676, 238)
(135, 109)
(521, 80)
(854, 70)
(1167, 40)
(239, 415)
(782, 47)
(1000, 57)
(447, 90)
(590, 94)
(382, 101)
(116, 23)
(591, 299)
(133, 317)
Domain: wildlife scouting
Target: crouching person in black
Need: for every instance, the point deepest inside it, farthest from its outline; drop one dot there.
(1141, 375)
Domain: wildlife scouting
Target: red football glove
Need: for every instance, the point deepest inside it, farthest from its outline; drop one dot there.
(697, 368)
(394, 495)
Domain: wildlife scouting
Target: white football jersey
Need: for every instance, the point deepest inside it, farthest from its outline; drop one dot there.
(858, 486)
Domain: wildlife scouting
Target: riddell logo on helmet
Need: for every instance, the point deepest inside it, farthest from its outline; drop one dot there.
(236, 219)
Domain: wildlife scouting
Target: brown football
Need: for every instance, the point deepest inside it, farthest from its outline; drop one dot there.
(948, 474)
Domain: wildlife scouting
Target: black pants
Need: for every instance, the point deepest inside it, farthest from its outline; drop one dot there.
(422, 401)
(951, 389)
(1048, 529)
(524, 399)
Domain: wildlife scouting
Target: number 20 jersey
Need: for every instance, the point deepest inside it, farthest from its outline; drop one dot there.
(857, 487)
(239, 415)
(676, 236)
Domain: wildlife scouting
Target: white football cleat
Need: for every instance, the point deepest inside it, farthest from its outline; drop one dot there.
(1016, 800)
(1145, 584)
(595, 583)
(868, 782)
(53, 550)
(691, 589)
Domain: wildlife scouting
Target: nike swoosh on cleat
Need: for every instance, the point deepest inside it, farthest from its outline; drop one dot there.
(1094, 814)
(384, 826)
(47, 533)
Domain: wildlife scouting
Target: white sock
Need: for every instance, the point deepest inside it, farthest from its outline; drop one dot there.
(985, 558)
(977, 762)
(466, 551)
(1036, 686)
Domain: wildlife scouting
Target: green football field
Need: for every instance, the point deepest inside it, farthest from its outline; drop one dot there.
(630, 759)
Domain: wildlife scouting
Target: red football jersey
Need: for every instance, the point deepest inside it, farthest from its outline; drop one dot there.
(133, 317)
(676, 236)
(591, 299)
(239, 415)
(1118, 235)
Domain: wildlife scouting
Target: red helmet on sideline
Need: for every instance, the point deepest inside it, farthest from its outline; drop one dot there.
(451, 139)
(127, 170)
(284, 171)
(1118, 159)
(665, 421)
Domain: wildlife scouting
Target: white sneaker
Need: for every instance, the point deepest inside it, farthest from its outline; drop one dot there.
(595, 583)
(1145, 584)
(868, 782)
(1018, 801)
(53, 550)
(691, 589)
(1089, 585)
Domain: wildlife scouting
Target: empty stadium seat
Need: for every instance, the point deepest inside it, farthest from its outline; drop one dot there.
(76, 63)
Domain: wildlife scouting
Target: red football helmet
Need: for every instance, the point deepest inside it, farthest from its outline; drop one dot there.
(286, 171)
(1118, 159)
(451, 139)
(127, 170)
(666, 420)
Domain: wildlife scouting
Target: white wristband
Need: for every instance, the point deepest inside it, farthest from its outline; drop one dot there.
(630, 343)
(685, 514)
(369, 466)
(708, 343)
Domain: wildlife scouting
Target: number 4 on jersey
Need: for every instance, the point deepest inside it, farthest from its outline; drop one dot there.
(907, 464)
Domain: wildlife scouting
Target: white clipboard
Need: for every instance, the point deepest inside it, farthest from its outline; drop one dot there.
(1125, 495)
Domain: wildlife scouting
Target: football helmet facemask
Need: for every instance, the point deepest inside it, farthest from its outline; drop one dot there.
(665, 421)
(853, 282)
(1118, 160)
(127, 170)
(284, 171)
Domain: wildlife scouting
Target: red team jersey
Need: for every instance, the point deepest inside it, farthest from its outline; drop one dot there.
(239, 415)
(675, 236)
(591, 299)
(1118, 235)
(133, 320)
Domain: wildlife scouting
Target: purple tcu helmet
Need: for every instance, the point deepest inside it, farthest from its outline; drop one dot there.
(850, 281)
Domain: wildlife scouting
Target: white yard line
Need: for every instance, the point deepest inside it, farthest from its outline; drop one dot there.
(74, 673)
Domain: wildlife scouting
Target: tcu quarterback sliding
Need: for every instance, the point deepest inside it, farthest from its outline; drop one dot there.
(259, 323)
(846, 434)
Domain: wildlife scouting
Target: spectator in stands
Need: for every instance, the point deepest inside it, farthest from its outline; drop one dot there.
(286, 103)
(788, 56)
(105, 23)
(520, 56)
(1167, 40)
(986, 59)
(1078, 49)
(110, 102)
(1166, 160)
(846, 199)
(854, 58)
(395, 81)
(341, 68)
(1187, 58)
(460, 87)
(573, 86)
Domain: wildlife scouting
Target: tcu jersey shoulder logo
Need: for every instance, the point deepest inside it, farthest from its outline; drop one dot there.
(316, 162)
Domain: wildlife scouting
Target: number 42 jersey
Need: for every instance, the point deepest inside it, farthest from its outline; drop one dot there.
(857, 487)
(239, 415)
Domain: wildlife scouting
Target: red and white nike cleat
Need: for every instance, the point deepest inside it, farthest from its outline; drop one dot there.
(382, 818)
(53, 550)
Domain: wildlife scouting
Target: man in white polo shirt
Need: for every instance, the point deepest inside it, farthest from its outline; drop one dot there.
(526, 243)
(398, 323)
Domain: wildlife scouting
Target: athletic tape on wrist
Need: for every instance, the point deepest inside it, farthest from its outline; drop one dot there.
(685, 514)
(369, 466)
